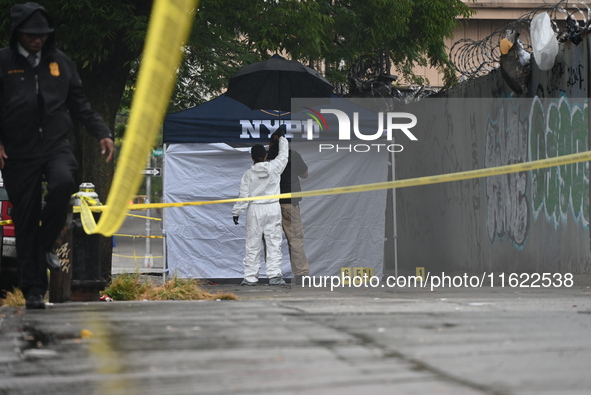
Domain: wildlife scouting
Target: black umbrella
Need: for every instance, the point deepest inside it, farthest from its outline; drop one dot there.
(273, 83)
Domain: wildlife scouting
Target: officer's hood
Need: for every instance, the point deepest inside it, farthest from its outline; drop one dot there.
(261, 169)
(20, 13)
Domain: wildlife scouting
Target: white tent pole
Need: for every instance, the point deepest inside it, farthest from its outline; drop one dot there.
(394, 227)
(162, 222)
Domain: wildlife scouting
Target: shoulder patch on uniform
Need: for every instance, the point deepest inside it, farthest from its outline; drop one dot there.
(54, 69)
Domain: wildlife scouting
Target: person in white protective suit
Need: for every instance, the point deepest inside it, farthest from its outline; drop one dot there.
(263, 218)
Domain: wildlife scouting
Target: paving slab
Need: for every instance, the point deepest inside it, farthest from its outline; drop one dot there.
(284, 340)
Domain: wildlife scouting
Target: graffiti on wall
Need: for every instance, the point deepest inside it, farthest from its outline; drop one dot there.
(64, 253)
(506, 194)
(563, 78)
(517, 132)
(559, 128)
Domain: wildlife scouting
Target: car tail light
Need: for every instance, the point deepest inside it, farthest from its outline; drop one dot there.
(6, 211)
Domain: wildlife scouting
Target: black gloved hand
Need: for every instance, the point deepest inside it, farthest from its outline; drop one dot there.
(235, 218)
(273, 150)
(279, 133)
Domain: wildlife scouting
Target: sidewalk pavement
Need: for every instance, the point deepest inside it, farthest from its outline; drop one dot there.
(277, 340)
(133, 252)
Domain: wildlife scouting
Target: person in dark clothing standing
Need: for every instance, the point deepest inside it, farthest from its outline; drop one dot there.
(39, 89)
(291, 219)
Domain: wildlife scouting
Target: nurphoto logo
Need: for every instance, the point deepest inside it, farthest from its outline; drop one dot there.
(361, 127)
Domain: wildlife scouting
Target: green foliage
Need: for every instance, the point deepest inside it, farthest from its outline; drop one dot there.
(127, 287)
(91, 32)
(177, 289)
(229, 34)
(105, 25)
(13, 299)
(105, 39)
(214, 51)
(133, 287)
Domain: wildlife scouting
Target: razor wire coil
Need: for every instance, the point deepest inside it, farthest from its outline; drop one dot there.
(475, 58)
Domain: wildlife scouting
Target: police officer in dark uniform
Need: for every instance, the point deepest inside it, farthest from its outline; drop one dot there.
(291, 219)
(39, 89)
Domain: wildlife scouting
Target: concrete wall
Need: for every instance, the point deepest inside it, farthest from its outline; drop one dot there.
(536, 221)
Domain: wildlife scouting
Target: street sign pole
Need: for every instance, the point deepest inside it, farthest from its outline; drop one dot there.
(148, 260)
(149, 172)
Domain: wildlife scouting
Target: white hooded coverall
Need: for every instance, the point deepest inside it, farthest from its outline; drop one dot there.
(263, 217)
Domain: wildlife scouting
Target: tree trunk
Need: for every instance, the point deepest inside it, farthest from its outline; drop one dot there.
(104, 86)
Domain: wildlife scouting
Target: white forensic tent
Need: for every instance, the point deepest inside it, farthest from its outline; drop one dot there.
(207, 151)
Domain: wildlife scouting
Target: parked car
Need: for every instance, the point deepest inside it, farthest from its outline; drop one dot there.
(8, 240)
(8, 264)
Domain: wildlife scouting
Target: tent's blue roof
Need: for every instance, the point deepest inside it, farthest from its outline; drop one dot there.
(219, 120)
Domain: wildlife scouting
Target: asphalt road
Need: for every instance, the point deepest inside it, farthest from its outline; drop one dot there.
(276, 340)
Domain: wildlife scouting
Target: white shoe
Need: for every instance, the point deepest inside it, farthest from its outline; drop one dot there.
(277, 281)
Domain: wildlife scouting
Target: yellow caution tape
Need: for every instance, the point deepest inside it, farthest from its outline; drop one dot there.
(437, 179)
(170, 23)
(142, 216)
(134, 236)
(136, 256)
(77, 209)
